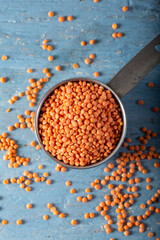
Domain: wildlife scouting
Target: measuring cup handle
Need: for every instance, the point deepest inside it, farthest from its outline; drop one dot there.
(136, 69)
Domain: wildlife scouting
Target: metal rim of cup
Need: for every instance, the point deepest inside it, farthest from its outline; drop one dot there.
(48, 93)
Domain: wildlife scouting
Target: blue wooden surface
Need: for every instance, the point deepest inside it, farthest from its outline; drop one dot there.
(23, 26)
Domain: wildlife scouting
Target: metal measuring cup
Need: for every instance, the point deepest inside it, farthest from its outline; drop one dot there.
(126, 79)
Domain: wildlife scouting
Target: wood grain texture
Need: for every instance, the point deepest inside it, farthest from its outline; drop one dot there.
(23, 26)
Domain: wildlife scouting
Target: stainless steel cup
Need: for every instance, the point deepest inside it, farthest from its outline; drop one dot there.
(127, 78)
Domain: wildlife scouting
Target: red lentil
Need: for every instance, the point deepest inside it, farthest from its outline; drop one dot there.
(69, 18)
(92, 41)
(74, 222)
(45, 217)
(68, 183)
(61, 19)
(114, 26)
(50, 14)
(124, 8)
(19, 222)
(3, 79)
(83, 43)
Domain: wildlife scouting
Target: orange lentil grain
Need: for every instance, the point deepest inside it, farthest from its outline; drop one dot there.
(103, 213)
(148, 187)
(4, 58)
(5, 181)
(50, 14)
(119, 34)
(114, 26)
(69, 18)
(150, 84)
(84, 200)
(114, 35)
(45, 174)
(27, 181)
(10, 128)
(110, 186)
(124, 8)
(151, 208)
(45, 217)
(53, 209)
(87, 61)
(154, 134)
(126, 233)
(157, 165)
(108, 230)
(62, 215)
(4, 222)
(61, 19)
(2, 79)
(75, 65)
(98, 208)
(48, 181)
(83, 43)
(87, 190)
(22, 186)
(8, 110)
(45, 41)
(50, 58)
(106, 169)
(13, 180)
(89, 196)
(38, 147)
(16, 125)
(92, 41)
(97, 181)
(19, 222)
(156, 195)
(28, 189)
(45, 70)
(153, 199)
(144, 171)
(157, 210)
(92, 56)
(56, 212)
(96, 74)
(150, 234)
(44, 46)
(140, 102)
(29, 206)
(79, 199)
(155, 109)
(10, 101)
(111, 165)
(29, 70)
(42, 179)
(31, 104)
(97, 186)
(68, 183)
(86, 215)
(74, 222)
(92, 215)
(103, 182)
(33, 144)
(40, 166)
(73, 190)
(58, 68)
(63, 169)
(49, 48)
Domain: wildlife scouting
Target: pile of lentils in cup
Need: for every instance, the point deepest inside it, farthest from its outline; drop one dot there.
(80, 123)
